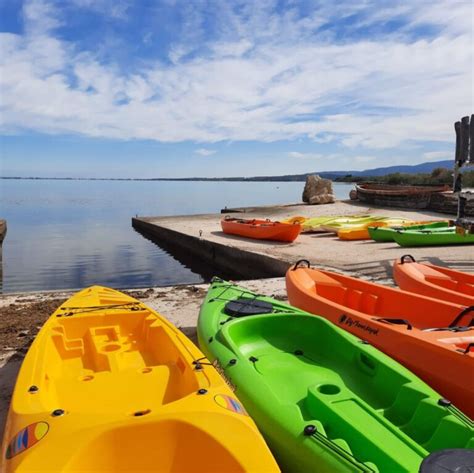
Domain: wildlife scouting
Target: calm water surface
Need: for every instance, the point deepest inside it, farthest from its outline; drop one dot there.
(72, 234)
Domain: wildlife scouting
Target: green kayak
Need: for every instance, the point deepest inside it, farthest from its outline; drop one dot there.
(324, 400)
(386, 233)
(440, 236)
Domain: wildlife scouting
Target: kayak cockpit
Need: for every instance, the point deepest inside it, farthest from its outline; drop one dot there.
(335, 381)
(382, 303)
(126, 361)
(170, 445)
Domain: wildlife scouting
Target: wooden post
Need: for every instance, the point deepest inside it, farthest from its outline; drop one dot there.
(471, 139)
(464, 145)
(457, 129)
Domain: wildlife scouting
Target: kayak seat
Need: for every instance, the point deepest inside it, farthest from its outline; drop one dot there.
(336, 293)
(405, 404)
(349, 420)
(361, 301)
(369, 303)
(437, 277)
(445, 282)
(351, 298)
(326, 287)
(449, 431)
(451, 284)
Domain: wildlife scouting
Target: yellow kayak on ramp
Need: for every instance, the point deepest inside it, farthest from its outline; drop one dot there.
(110, 385)
(316, 224)
(362, 232)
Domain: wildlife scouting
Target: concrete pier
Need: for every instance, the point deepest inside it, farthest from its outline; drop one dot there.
(200, 236)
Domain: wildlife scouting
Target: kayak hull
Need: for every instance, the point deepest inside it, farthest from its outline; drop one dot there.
(314, 224)
(398, 323)
(434, 281)
(323, 400)
(362, 233)
(409, 238)
(261, 229)
(107, 380)
(386, 234)
(341, 224)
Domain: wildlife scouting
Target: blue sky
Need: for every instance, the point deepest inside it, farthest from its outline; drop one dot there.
(122, 88)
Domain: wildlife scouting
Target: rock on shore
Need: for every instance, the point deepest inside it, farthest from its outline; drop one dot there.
(318, 191)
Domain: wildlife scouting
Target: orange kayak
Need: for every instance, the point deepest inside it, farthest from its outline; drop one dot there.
(434, 281)
(433, 339)
(261, 229)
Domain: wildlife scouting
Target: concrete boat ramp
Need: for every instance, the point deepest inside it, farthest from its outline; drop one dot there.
(199, 239)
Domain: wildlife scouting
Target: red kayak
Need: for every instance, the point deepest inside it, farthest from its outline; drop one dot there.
(261, 229)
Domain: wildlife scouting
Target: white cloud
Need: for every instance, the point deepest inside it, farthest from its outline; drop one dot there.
(116, 9)
(205, 151)
(40, 17)
(298, 155)
(266, 77)
(438, 155)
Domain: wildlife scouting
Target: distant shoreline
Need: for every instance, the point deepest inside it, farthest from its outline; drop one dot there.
(338, 176)
(181, 179)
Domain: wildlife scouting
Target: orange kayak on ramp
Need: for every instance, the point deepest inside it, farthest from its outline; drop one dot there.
(434, 281)
(261, 229)
(433, 339)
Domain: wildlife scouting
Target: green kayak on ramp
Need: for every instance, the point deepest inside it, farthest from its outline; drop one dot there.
(437, 236)
(384, 234)
(324, 400)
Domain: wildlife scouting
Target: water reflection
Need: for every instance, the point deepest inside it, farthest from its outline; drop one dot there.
(71, 256)
(72, 234)
(195, 264)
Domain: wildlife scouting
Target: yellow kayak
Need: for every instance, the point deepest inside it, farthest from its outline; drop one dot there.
(315, 224)
(362, 232)
(349, 224)
(110, 385)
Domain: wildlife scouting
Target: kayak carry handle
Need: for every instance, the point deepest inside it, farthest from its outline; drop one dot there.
(397, 322)
(461, 314)
(402, 259)
(468, 348)
(300, 262)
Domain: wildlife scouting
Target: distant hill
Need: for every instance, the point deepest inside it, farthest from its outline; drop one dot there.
(375, 172)
(415, 169)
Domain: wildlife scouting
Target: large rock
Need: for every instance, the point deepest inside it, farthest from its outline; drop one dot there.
(318, 191)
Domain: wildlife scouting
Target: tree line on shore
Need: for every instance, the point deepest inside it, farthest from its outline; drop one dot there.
(438, 176)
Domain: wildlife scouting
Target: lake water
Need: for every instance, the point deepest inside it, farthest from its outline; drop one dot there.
(73, 234)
